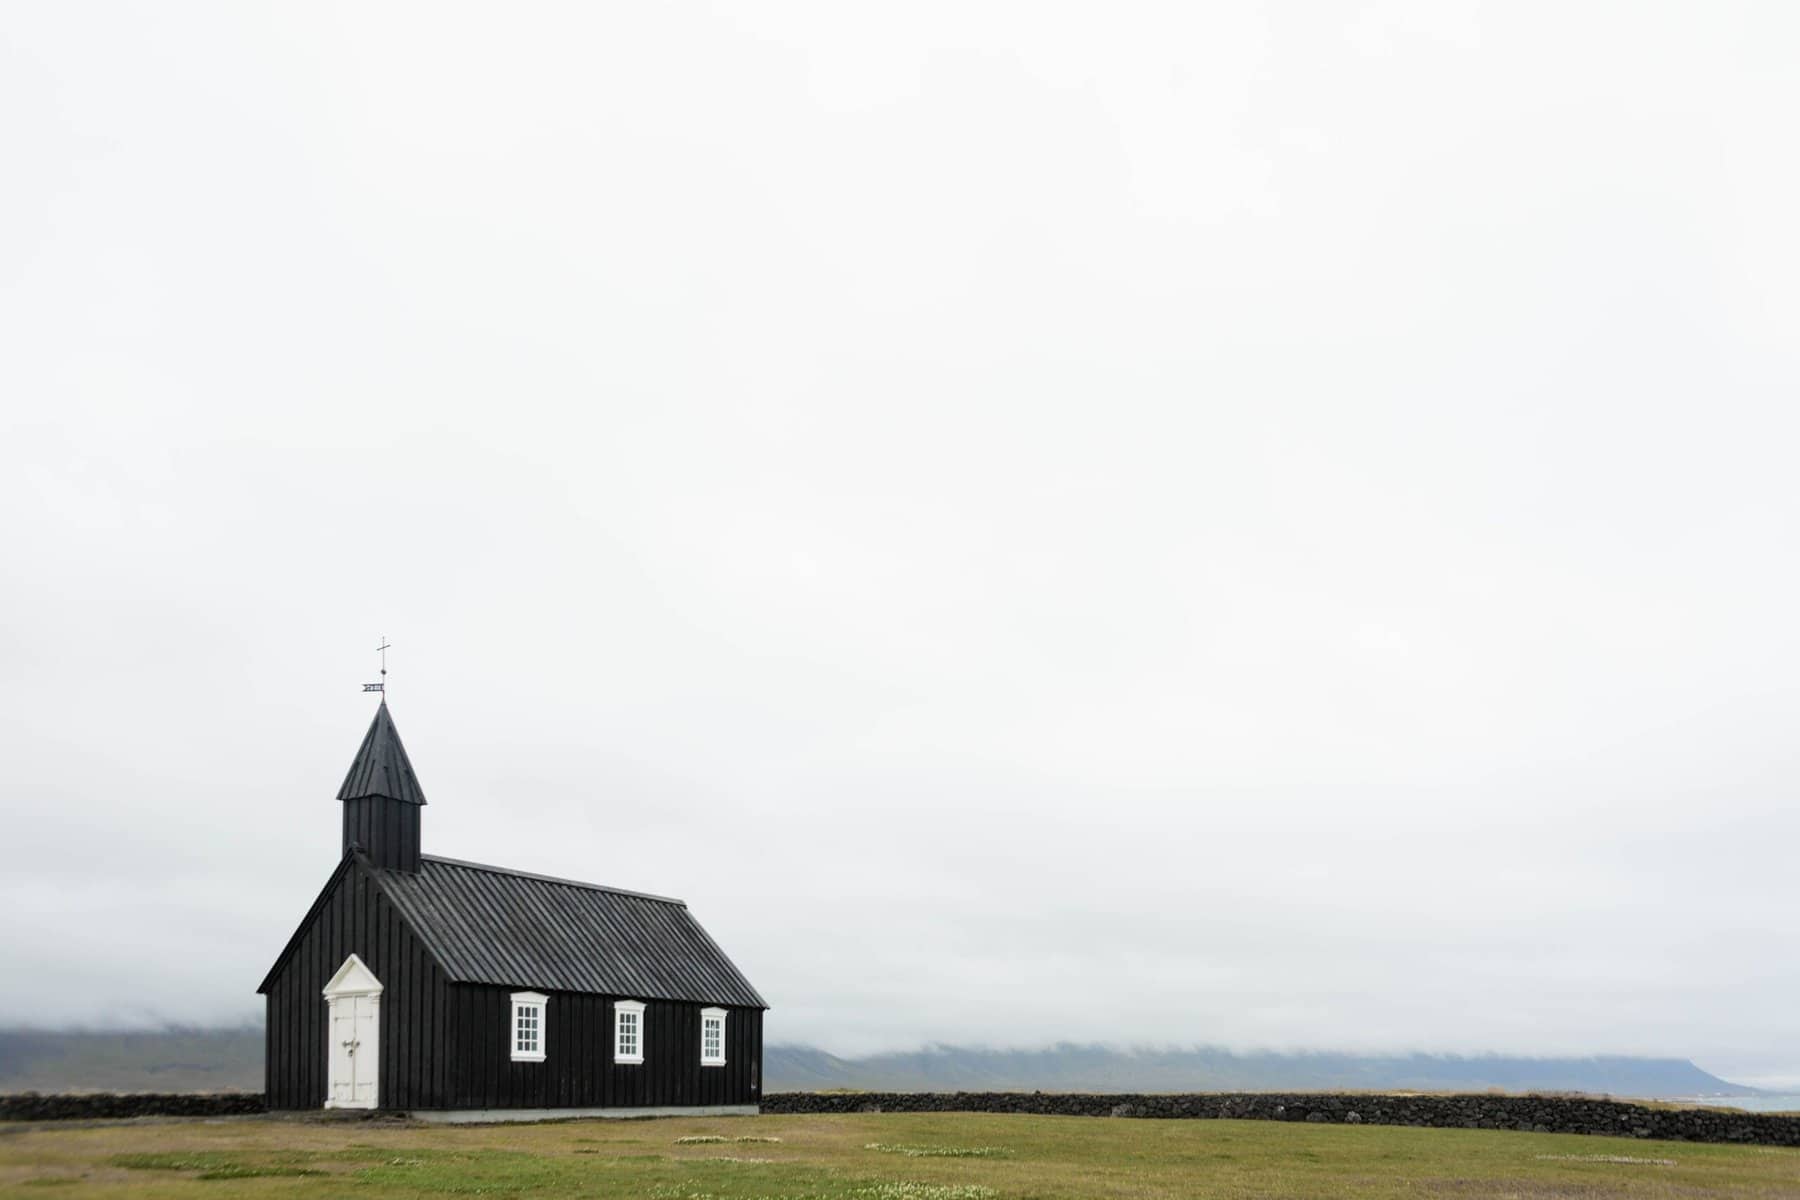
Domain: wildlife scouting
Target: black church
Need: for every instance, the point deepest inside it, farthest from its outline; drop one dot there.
(457, 991)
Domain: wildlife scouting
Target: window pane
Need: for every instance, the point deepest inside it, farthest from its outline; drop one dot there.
(628, 1034)
(528, 1026)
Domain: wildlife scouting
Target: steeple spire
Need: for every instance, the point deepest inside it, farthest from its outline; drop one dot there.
(382, 798)
(381, 767)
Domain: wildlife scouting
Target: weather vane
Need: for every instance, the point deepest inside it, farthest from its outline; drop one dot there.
(382, 686)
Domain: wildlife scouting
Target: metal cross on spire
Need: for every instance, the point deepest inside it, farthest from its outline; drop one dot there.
(382, 686)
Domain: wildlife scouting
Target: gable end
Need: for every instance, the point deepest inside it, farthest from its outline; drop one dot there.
(306, 923)
(351, 861)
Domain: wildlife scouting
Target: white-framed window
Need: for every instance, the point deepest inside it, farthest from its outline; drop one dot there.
(628, 1031)
(528, 1009)
(712, 1037)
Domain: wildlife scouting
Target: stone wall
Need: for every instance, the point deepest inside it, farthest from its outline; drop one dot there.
(1541, 1114)
(29, 1106)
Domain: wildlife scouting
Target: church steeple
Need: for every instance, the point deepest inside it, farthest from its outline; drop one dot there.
(382, 798)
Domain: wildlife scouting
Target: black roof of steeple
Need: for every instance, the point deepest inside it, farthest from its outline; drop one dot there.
(381, 767)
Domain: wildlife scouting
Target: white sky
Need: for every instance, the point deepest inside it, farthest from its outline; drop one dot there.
(1262, 525)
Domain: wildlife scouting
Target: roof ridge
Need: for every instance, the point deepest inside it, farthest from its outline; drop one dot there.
(592, 887)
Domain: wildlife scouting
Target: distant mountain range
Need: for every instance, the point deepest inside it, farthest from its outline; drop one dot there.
(207, 1060)
(1075, 1068)
(169, 1060)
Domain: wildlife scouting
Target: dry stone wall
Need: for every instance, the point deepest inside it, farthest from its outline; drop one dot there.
(29, 1106)
(1540, 1114)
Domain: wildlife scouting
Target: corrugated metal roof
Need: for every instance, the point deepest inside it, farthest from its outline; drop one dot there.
(381, 767)
(490, 925)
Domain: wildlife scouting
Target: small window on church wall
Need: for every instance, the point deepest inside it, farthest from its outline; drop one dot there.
(628, 1031)
(528, 1026)
(712, 1037)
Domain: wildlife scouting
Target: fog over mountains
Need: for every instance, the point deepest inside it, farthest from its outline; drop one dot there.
(231, 1060)
(168, 1060)
(1068, 1067)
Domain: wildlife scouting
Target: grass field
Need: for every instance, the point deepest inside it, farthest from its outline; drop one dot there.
(872, 1157)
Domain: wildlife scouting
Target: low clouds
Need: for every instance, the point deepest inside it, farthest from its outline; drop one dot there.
(1254, 526)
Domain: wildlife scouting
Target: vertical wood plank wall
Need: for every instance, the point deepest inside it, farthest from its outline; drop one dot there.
(387, 830)
(356, 918)
(578, 1069)
(449, 1045)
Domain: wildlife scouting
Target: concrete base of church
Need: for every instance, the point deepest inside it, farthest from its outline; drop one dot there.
(487, 1116)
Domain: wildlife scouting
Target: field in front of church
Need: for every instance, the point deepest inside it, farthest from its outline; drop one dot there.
(948, 1156)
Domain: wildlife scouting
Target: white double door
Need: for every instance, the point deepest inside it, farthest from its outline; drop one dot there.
(353, 1037)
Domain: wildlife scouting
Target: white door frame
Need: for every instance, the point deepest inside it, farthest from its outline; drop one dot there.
(353, 1037)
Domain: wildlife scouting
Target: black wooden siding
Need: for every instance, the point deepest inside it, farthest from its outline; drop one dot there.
(447, 1045)
(387, 830)
(352, 917)
(578, 1069)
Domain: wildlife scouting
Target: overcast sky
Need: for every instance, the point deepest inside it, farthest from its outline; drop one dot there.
(1270, 525)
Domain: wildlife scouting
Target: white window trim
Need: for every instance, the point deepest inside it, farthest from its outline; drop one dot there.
(628, 1006)
(712, 1014)
(541, 1002)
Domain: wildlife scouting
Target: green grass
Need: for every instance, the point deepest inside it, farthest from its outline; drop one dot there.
(940, 1151)
(868, 1157)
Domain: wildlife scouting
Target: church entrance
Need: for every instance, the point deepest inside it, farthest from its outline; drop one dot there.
(353, 1037)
